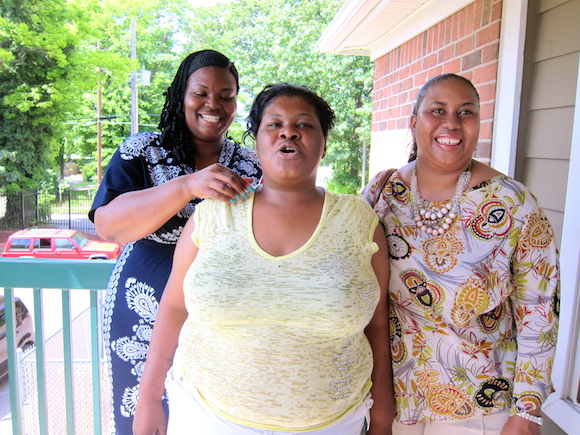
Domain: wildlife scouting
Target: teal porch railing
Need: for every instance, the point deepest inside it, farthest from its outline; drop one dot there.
(47, 278)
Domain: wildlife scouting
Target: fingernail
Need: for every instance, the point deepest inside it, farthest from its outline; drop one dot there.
(238, 197)
(233, 200)
(251, 189)
(245, 194)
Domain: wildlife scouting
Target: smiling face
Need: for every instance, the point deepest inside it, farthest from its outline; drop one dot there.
(210, 104)
(446, 126)
(289, 141)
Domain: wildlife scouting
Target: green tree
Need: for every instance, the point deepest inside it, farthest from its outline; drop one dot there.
(158, 27)
(47, 61)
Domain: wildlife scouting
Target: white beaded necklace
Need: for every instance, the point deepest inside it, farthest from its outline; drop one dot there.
(436, 221)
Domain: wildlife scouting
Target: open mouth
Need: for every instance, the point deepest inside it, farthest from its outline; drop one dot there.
(287, 150)
(210, 118)
(448, 141)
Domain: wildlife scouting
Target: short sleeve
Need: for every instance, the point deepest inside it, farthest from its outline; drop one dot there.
(122, 175)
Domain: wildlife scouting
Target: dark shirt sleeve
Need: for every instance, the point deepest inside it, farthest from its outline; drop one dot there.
(122, 175)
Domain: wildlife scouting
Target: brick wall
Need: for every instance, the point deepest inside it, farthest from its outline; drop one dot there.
(466, 43)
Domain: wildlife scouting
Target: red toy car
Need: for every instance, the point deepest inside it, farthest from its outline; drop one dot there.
(58, 243)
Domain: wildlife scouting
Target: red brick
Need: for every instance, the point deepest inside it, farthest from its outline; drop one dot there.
(404, 54)
(448, 31)
(467, 74)
(486, 130)
(417, 46)
(457, 32)
(382, 126)
(453, 66)
(484, 150)
(404, 72)
(392, 124)
(496, 11)
(486, 13)
(434, 72)
(395, 112)
(407, 84)
(469, 17)
(403, 98)
(485, 73)
(461, 18)
(471, 60)
(402, 123)
(477, 14)
(392, 61)
(486, 92)
(446, 54)
(486, 110)
(440, 34)
(487, 34)
(384, 83)
(380, 66)
(490, 53)
(430, 61)
(406, 110)
(464, 45)
(420, 79)
(416, 67)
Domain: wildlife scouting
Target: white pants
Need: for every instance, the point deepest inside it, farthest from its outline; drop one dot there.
(188, 414)
(488, 425)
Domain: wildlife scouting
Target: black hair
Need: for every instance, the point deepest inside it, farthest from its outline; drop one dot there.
(326, 115)
(174, 132)
(421, 97)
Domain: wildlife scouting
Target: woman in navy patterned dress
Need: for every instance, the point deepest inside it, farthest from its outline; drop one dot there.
(149, 190)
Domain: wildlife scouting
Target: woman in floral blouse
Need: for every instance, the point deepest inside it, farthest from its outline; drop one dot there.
(474, 281)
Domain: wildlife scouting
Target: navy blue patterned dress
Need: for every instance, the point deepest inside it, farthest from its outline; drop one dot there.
(142, 270)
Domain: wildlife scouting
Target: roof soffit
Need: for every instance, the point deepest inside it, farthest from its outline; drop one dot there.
(375, 27)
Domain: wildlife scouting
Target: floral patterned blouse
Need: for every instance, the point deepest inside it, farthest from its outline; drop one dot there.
(474, 312)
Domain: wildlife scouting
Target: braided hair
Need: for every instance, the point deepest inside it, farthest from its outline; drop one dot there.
(175, 134)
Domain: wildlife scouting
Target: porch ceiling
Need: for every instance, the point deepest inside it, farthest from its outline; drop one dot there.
(374, 27)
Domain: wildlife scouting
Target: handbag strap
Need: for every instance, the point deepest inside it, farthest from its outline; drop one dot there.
(372, 195)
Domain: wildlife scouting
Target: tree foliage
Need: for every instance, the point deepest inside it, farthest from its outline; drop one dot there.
(51, 70)
(47, 62)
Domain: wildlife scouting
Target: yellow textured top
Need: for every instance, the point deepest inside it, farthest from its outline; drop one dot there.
(278, 342)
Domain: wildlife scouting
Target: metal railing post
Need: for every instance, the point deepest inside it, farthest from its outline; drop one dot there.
(13, 366)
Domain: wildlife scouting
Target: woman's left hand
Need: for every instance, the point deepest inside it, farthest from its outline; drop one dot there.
(517, 425)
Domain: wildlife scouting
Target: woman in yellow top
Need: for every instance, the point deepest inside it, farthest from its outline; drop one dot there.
(274, 319)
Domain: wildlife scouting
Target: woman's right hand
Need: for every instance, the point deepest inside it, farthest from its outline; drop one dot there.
(218, 182)
(150, 418)
(133, 215)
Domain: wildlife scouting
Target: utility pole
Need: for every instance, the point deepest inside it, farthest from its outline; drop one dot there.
(134, 107)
